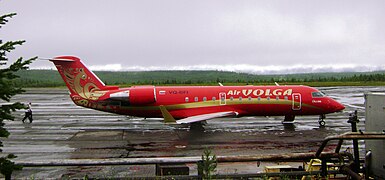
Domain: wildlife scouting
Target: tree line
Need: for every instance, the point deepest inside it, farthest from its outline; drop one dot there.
(51, 78)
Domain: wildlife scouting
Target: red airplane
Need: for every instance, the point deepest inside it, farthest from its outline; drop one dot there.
(191, 104)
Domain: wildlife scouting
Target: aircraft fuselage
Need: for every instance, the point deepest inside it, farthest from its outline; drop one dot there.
(186, 101)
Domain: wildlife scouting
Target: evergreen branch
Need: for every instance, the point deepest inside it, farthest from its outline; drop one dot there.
(8, 47)
(4, 18)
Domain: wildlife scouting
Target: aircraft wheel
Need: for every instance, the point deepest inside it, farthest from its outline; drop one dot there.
(322, 123)
(197, 126)
(289, 119)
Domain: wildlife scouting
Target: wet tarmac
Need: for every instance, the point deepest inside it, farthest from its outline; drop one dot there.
(61, 130)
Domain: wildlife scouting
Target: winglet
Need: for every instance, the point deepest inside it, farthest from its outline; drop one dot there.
(166, 115)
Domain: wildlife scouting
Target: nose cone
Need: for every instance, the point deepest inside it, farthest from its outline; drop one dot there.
(340, 107)
(337, 106)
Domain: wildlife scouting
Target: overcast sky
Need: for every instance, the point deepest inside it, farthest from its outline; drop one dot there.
(271, 36)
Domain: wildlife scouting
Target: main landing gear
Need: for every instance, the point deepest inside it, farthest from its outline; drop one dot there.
(289, 119)
(321, 120)
(288, 123)
(198, 126)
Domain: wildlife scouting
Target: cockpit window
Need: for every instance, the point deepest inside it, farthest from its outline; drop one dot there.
(317, 94)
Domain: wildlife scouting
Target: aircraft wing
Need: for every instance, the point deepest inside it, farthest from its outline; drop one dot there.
(206, 117)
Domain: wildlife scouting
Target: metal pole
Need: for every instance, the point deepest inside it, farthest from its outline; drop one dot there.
(324, 168)
(353, 119)
(368, 162)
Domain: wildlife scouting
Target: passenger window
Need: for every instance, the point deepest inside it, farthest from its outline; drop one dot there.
(231, 98)
(277, 98)
(268, 98)
(249, 98)
(214, 98)
(259, 98)
(204, 99)
(286, 98)
(196, 99)
(186, 99)
(240, 98)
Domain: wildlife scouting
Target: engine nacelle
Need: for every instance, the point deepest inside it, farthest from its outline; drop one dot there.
(141, 95)
(137, 95)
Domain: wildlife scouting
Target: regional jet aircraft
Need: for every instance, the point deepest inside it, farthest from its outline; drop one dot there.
(191, 104)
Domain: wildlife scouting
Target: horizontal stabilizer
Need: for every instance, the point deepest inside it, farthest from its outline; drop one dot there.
(61, 59)
(204, 117)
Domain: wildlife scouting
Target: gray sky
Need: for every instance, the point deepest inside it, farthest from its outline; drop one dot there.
(271, 36)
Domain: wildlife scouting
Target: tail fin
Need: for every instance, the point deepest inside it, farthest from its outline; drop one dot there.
(78, 78)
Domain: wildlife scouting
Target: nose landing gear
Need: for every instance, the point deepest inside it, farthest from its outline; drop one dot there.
(321, 120)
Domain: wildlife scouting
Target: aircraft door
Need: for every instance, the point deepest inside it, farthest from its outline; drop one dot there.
(297, 101)
(222, 98)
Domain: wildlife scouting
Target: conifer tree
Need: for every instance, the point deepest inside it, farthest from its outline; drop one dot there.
(7, 91)
(208, 165)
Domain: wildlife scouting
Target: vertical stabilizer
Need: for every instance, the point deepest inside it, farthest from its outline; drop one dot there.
(78, 78)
